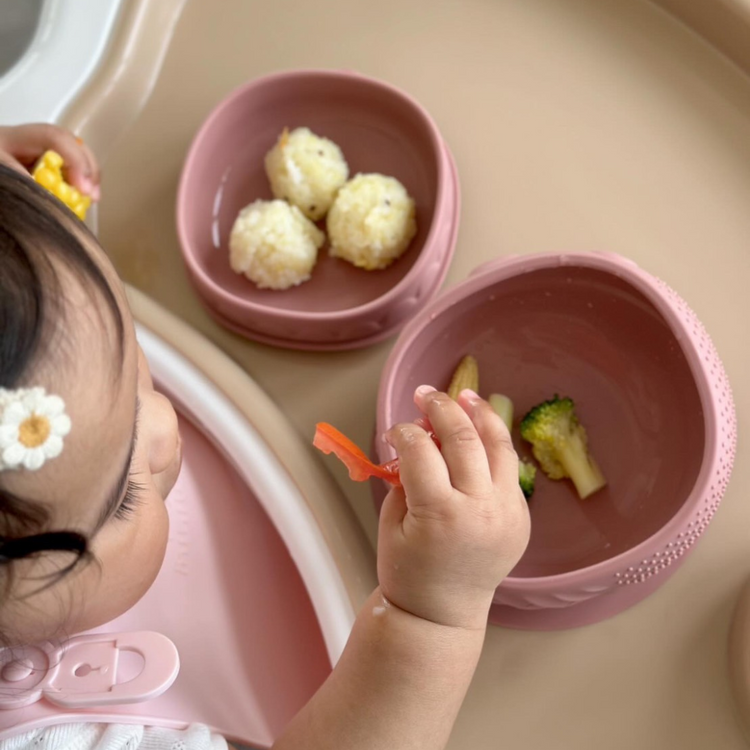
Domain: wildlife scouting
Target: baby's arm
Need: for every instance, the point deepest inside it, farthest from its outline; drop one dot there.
(445, 542)
(22, 145)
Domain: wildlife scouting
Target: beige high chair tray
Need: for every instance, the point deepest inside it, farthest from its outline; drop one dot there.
(576, 125)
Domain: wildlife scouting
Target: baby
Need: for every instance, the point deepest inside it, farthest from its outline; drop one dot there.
(89, 452)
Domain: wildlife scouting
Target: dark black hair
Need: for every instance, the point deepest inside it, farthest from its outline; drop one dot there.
(37, 235)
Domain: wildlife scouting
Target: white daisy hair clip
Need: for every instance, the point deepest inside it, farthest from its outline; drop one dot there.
(32, 427)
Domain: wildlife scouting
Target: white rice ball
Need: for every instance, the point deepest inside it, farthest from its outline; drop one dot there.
(372, 221)
(306, 170)
(274, 244)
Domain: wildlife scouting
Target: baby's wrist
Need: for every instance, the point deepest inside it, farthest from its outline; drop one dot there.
(471, 618)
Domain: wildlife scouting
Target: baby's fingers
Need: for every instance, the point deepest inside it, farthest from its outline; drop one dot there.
(461, 444)
(94, 171)
(498, 446)
(28, 142)
(80, 165)
(424, 475)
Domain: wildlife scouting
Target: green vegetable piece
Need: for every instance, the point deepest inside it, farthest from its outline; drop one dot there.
(560, 444)
(526, 478)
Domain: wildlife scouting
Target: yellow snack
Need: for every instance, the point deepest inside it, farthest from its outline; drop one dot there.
(48, 173)
(466, 375)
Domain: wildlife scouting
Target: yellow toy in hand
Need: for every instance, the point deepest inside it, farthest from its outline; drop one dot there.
(48, 173)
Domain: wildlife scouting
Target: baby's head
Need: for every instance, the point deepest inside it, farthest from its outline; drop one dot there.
(83, 536)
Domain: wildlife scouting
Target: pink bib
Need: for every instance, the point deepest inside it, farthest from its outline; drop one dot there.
(226, 636)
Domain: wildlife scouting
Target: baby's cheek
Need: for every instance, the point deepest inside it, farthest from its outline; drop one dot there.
(130, 554)
(149, 543)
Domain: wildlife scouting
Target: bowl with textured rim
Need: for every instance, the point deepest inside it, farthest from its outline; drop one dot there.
(379, 129)
(649, 388)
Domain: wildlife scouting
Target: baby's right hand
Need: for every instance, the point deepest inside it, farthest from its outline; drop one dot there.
(460, 523)
(22, 145)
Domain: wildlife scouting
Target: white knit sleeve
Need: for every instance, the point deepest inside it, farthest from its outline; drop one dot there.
(116, 737)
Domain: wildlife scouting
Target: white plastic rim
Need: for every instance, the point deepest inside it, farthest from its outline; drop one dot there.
(68, 45)
(225, 425)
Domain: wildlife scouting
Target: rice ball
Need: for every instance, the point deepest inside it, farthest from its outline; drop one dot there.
(306, 170)
(274, 244)
(372, 221)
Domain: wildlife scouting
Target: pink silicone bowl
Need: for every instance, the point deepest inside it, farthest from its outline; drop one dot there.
(380, 129)
(649, 388)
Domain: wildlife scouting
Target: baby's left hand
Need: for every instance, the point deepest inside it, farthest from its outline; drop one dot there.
(22, 145)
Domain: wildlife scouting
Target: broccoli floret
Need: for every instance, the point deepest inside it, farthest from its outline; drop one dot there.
(526, 478)
(559, 443)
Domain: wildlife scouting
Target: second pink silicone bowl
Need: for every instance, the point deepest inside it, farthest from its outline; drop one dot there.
(379, 129)
(649, 388)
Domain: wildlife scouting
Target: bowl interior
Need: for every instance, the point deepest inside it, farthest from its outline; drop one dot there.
(590, 335)
(377, 130)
